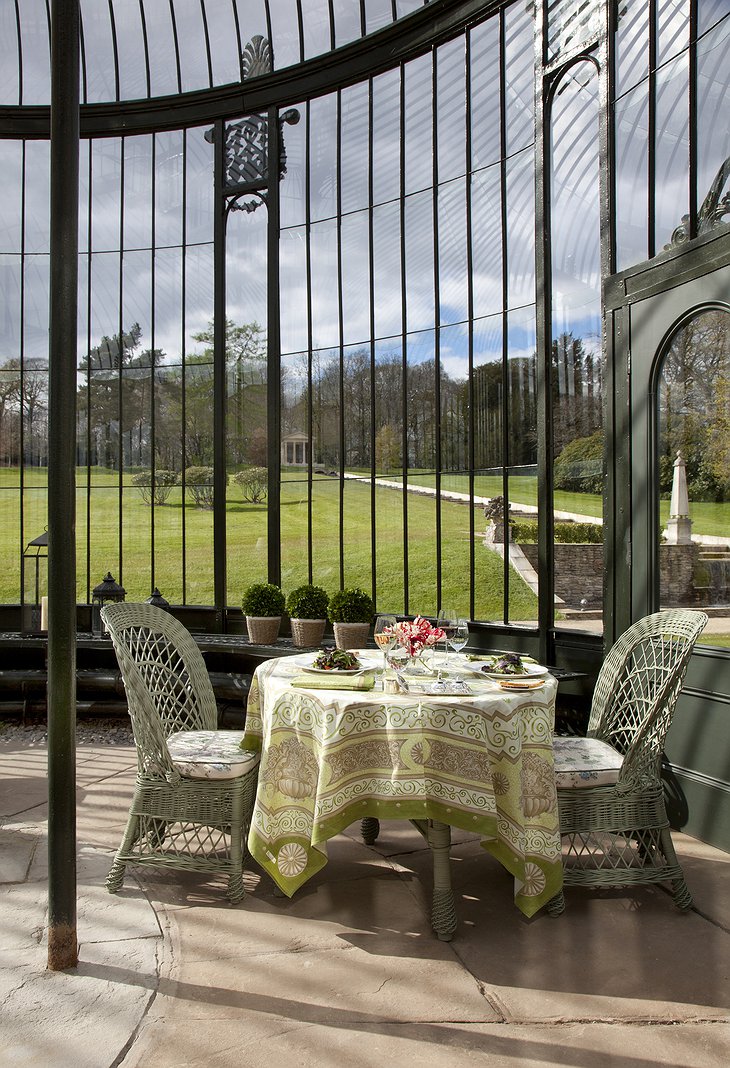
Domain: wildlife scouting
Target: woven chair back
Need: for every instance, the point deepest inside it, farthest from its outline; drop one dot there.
(165, 677)
(638, 687)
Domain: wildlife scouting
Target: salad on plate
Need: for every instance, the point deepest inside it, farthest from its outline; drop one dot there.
(336, 660)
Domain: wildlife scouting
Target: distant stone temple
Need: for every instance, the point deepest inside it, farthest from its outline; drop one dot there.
(295, 450)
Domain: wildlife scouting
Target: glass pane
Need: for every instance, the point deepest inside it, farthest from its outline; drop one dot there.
(137, 192)
(386, 137)
(672, 30)
(418, 124)
(137, 304)
(323, 157)
(35, 52)
(672, 151)
(354, 235)
(10, 537)
(570, 24)
(348, 25)
(326, 533)
(486, 222)
(387, 270)
(451, 109)
(521, 229)
(286, 45)
(709, 12)
(9, 61)
(11, 161)
(101, 67)
(316, 20)
(131, 52)
(37, 196)
(632, 44)
(293, 285)
(292, 197)
(519, 87)
(485, 90)
(168, 188)
(192, 45)
(161, 44)
(37, 290)
(325, 286)
(713, 131)
(199, 187)
(631, 115)
(453, 266)
(419, 262)
(693, 442)
(421, 436)
(378, 13)
(224, 41)
(577, 445)
(10, 326)
(106, 195)
(354, 147)
(326, 410)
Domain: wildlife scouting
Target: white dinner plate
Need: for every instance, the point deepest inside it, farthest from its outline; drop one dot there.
(333, 671)
(530, 670)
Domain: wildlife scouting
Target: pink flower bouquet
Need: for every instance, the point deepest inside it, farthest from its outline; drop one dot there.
(417, 635)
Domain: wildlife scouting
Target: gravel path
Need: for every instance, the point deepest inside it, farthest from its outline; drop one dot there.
(90, 731)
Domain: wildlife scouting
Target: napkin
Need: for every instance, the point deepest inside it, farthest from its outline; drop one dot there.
(495, 656)
(334, 682)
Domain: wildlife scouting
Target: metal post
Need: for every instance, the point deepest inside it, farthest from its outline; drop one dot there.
(273, 359)
(62, 940)
(220, 578)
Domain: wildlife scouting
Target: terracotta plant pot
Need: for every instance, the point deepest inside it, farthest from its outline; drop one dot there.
(351, 635)
(307, 632)
(263, 630)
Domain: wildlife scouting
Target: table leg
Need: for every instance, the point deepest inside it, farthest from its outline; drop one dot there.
(443, 913)
(369, 829)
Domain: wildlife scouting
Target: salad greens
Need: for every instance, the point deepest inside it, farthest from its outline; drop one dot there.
(336, 660)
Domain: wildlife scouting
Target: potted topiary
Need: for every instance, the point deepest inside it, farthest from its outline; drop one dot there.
(307, 608)
(351, 612)
(263, 606)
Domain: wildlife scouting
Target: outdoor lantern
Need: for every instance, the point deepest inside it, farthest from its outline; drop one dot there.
(107, 592)
(158, 600)
(34, 586)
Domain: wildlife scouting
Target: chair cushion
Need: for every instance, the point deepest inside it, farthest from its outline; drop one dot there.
(210, 754)
(581, 762)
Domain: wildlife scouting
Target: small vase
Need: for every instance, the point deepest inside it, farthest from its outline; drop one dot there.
(307, 632)
(351, 635)
(263, 630)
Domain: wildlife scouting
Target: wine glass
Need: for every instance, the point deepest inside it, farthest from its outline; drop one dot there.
(459, 635)
(447, 619)
(385, 635)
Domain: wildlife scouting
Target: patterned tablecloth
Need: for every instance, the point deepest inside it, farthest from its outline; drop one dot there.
(329, 757)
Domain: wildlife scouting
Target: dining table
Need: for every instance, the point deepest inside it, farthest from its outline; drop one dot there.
(460, 751)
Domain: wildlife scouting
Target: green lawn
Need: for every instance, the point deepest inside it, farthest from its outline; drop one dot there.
(247, 550)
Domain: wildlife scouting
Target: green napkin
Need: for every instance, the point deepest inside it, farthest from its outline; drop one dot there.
(334, 682)
(495, 656)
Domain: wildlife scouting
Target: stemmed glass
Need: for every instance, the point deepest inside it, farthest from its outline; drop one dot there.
(385, 636)
(447, 620)
(458, 639)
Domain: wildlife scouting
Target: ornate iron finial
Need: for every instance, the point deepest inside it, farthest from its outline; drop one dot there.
(256, 57)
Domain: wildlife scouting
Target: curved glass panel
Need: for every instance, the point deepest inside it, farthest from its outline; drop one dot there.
(693, 450)
(149, 48)
(577, 438)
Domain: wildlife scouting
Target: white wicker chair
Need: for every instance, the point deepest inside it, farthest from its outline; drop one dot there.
(613, 818)
(195, 787)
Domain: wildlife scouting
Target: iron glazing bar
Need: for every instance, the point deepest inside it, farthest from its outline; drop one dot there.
(20, 52)
(183, 354)
(89, 232)
(437, 314)
(176, 42)
(270, 38)
(543, 349)
(206, 34)
(505, 299)
(373, 349)
(115, 49)
(273, 358)
(239, 42)
(120, 370)
(471, 458)
(310, 354)
(21, 354)
(404, 328)
(651, 153)
(331, 11)
(692, 89)
(341, 337)
(300, 27)
(62, 936)
(153, 464)
(82, 43)
(146, 46)
(219, 376)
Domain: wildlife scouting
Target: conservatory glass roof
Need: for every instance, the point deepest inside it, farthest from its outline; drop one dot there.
(137, 49)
